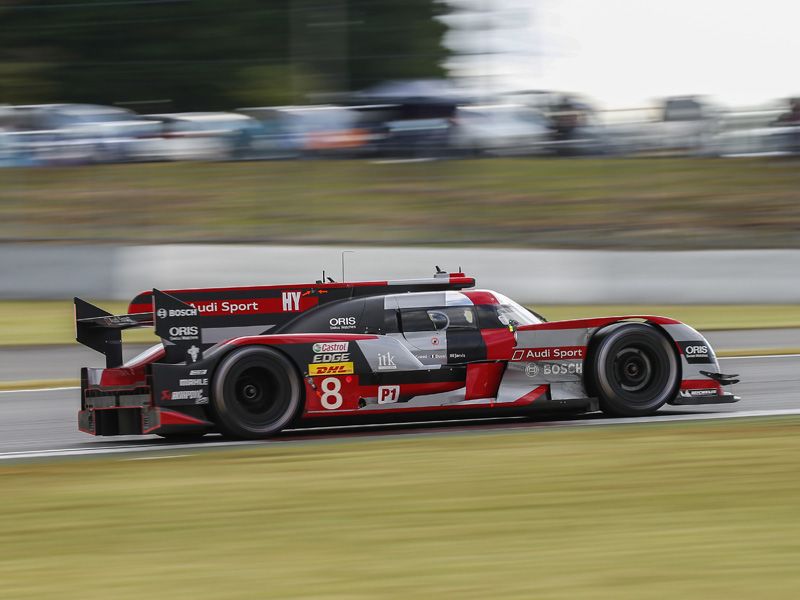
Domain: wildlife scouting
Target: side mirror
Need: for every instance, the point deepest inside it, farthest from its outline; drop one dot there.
(512, 327)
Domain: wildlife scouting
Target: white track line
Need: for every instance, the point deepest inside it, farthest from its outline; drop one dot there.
(105, 450)
(48, 389)
(758, 356)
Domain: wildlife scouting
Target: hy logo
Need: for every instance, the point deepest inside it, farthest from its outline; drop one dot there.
(290, 301)
(161, 313)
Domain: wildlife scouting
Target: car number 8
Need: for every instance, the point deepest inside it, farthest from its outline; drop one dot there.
(331, 398)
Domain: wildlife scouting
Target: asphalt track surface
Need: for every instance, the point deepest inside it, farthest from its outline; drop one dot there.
(42, 424)
(25, 363)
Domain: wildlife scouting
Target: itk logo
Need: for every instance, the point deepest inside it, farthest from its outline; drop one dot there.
(193, 351)
(388, 394)
(386, 361)
(161, 313)
(291, 301)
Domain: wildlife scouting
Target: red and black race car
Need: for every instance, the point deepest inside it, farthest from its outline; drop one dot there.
(251, 361)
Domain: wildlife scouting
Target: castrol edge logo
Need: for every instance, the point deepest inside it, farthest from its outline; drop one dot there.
(554, 353)
(325, 347)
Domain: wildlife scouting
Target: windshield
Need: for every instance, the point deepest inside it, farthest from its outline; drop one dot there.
(508, 311)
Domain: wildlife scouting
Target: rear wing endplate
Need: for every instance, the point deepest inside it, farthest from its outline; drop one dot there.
(176, 323)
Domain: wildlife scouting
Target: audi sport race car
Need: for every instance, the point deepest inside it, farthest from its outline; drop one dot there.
(251, 361)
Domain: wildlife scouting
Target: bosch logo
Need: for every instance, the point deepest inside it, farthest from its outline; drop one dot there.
(531, 369)
(162, 313)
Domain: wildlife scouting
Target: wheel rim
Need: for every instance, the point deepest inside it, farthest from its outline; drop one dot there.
(633, 368)
(259, 396)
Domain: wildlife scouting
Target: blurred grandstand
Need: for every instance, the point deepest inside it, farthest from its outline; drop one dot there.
(399, 119)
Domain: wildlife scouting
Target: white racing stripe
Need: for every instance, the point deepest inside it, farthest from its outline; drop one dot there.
(521, 425)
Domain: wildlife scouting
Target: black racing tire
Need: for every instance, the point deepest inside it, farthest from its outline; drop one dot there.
(256, 392)
(633, 369)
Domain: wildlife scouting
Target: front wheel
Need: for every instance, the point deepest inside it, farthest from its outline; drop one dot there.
(256, 393)
(633, 369)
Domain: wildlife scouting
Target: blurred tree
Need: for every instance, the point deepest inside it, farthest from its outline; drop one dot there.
(210, 54)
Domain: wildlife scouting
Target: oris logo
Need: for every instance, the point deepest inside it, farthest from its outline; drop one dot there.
(184, 332)
(695, 352)
(343, 323)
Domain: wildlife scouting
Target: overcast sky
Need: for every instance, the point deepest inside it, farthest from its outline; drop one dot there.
(625, 53)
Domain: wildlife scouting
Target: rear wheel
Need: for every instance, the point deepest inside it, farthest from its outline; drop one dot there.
(256, 393)
(633, 369)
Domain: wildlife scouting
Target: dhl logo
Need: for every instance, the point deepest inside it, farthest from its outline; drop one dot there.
(342, 368)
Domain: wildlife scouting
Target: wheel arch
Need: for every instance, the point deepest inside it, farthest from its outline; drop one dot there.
(230, 349)
(600, 332)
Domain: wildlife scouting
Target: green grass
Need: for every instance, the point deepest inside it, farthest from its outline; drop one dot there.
(51, 322)
(706, 511)
(647, 203)
(35, 322)
(706, 317)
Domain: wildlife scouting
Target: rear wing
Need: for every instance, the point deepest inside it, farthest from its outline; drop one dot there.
(176, 323)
